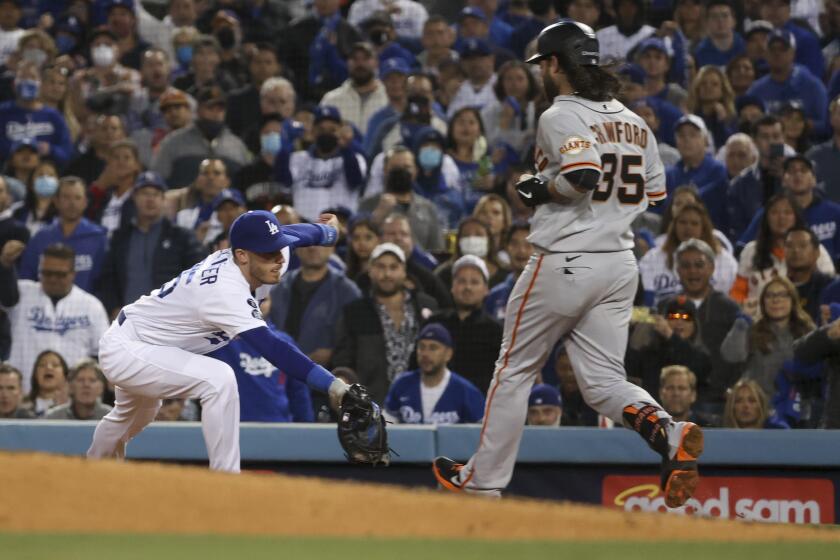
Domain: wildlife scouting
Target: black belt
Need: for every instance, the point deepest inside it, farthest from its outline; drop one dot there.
(121, 318)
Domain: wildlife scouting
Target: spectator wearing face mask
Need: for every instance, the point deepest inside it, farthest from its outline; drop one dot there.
(27, 118)
(330, 173)
(474, 238)
(400, 170)
(437, 176)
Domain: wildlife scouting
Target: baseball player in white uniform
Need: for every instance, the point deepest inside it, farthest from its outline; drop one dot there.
(597, 168)
(155, 348)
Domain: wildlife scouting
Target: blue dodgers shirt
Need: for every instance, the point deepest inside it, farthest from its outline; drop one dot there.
(460, 403)
(43, 125)
(709, 176)
(800, 87)
(495, 303)
(88, 241)
(707, 53)
(266, 394)
(822, 216)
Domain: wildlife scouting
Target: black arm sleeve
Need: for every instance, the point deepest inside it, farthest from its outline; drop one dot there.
(9, 295)
(584, 178)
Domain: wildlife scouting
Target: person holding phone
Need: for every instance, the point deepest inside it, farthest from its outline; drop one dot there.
(749, 191)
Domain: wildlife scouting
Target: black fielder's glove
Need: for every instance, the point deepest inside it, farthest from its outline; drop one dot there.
(361, 429)
(532, 191)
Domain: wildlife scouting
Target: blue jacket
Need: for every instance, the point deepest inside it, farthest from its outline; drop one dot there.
(44, 125)
(88, 240)
(460, 403)
(808, 51)
(822, 216)
(802, 87)
(496, 301)
(266, 394)
(710, 174)
(745, 197)
(707, 53)
(321, 315)
(668, 114)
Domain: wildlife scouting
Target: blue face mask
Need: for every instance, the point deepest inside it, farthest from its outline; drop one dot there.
(270, 143)
(430, 158)
(46, 185)
(184, 54)
(65, 43)
(28, 90)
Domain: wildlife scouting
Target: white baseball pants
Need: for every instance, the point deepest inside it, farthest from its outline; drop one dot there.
(144, 373)
(585, 298)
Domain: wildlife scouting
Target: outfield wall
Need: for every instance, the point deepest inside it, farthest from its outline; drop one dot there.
(770, 475)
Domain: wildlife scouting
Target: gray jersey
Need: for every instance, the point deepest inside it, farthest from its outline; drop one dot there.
(576, 133)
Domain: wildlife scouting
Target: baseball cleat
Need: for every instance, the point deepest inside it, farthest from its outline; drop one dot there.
(448, 473)
(679, 473)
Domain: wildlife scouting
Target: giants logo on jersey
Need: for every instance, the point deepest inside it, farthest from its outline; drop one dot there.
(574, 145)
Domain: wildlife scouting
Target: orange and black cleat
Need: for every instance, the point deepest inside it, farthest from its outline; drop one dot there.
(448, 473)
(679, 474)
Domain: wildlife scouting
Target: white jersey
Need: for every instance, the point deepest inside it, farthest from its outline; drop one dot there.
(201, 309)
(576, 133)
(318, 184)
(72, 327)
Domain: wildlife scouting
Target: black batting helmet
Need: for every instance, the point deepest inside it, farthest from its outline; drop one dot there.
(575, 40)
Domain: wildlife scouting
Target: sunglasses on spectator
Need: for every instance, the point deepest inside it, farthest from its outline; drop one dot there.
(683, 316)
(55, 273)
(777, 295)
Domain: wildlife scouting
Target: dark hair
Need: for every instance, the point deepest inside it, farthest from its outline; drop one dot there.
(435, 18)
(712, 3)
(815, 241)
(668, 214)
(763, 257)
(70, 180)
(596, 83)
(498, 87)
(354, 263)
(265, 46)
(492, 250)
(60, 251)
(765, 120)
(35, 388)
(762, 337)
(514, 227)
(207, 42)
(450, 138)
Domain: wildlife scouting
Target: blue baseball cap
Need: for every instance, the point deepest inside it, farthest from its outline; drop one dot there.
(544, 394)
(632, 72)
(228, 195)
(475, 47)
(653, 43)
(473, 11)
(327, 112)
(259, 231)
(436, 332)
(30, 143)
(394, 65)
(111, 4)
(783, 36)
(150, 179)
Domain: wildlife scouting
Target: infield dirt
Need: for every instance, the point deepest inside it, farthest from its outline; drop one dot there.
(51, 493)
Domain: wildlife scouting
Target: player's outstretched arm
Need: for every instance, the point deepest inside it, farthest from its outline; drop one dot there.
(313, 234)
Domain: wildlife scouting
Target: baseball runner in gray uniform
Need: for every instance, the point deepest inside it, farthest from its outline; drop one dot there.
(597, 168)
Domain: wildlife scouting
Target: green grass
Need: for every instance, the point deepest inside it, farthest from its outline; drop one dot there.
(164, 547)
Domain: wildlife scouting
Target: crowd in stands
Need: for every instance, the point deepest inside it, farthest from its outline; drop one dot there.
(134, 133)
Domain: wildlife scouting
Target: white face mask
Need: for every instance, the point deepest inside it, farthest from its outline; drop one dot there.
(473, 246)
(103, 55)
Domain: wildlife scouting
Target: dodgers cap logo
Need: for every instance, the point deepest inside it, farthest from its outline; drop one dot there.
(260, 232)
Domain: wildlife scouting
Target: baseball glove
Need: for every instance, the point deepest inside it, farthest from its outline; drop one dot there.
(361, 429)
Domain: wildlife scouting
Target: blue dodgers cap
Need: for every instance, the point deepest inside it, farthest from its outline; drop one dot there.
(632, 72)
(475, 47)
(327, 112)
(544, 394)
(394, 65)
(226, 195)
(111, 4)
(473, 11)
(150, 179)
(783, 36)
(653, 43)
(260, 232)
(436, 332)
(30, 143)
